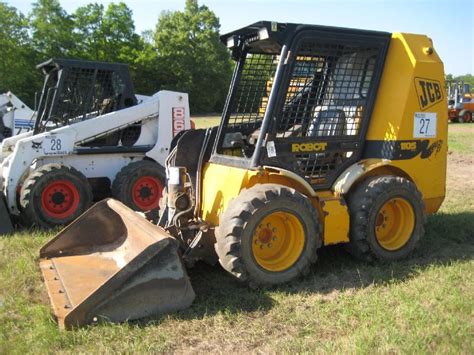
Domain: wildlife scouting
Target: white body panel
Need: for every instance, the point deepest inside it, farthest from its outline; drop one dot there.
(160, 123)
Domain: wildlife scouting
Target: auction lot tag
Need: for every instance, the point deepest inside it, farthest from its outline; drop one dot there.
(424, 125)
(56, 144)
(271, 150)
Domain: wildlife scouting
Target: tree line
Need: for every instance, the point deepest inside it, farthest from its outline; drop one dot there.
(181, 53)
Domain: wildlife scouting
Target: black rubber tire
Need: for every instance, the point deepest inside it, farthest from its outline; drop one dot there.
(465, 116)
(34, 185)
(243, 214)
(128, 176)
(364, 205)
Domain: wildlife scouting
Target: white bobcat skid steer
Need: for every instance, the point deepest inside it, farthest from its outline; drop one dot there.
(92, 139)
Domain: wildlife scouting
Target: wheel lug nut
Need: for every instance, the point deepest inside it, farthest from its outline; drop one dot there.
(274, 238)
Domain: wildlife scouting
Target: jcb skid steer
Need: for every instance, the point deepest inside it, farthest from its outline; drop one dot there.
(328, 135)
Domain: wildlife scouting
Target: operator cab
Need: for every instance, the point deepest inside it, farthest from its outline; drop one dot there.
(300, 98)
(75, 90)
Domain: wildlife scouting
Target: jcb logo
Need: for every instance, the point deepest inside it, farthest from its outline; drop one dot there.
(408, 145)
(308, 147)
(429, 92)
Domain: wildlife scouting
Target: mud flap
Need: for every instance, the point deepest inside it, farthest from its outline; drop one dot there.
(6, 225)
(112, 264)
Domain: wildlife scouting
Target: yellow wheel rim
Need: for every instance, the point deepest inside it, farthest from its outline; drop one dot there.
(394, 224)
(278, 241)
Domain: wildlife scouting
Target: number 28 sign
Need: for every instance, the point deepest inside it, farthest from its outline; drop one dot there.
(56, 144)
(178, 115)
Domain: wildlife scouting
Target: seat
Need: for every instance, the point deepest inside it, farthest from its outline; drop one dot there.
(327, 123)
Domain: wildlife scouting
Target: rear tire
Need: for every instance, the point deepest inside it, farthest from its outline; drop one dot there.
(54, 195)
(387, 219)
(268, 235)
(140, 185)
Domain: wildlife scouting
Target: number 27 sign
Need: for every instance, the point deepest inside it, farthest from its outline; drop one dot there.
(424, 125)
(178, 115)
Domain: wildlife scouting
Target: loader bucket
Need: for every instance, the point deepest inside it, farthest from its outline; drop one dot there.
(112, 264)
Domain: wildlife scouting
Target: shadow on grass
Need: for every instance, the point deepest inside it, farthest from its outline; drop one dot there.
(448, 238)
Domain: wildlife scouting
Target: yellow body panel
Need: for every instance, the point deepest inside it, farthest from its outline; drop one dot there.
(399, 97)
(223, 183)
(220, 184)
(335, 218)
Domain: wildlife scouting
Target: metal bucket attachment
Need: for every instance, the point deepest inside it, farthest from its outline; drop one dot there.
(112, 264)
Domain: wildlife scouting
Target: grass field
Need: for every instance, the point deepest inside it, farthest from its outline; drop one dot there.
(206, 121)
(424, 304)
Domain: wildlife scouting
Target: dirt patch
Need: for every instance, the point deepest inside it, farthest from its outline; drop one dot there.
(460, 174)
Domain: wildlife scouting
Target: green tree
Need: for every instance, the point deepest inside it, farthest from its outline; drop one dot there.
(52, 29)
(88, 30)
(183, 53)
(144, 65)
(105, 35)
(466, 78)
(109, 35)
(192, 59)
(119, 34)
(17, 72)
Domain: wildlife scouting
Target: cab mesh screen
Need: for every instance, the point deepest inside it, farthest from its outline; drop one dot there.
(324, 102)
(251, 96)
(87, 92)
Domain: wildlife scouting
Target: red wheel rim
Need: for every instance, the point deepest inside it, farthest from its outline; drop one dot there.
(60, 199)
(467, 117)
(146, 192)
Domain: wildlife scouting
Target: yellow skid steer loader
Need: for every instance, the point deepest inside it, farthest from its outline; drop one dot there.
(328, 135)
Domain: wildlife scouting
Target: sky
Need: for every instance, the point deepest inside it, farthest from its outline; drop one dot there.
(448, 22)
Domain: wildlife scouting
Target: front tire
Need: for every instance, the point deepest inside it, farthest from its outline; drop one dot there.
(54, 195)
(268, 235)
(387, 219)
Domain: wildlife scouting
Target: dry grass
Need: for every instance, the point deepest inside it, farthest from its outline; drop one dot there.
(206, 121)
(424, 304)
